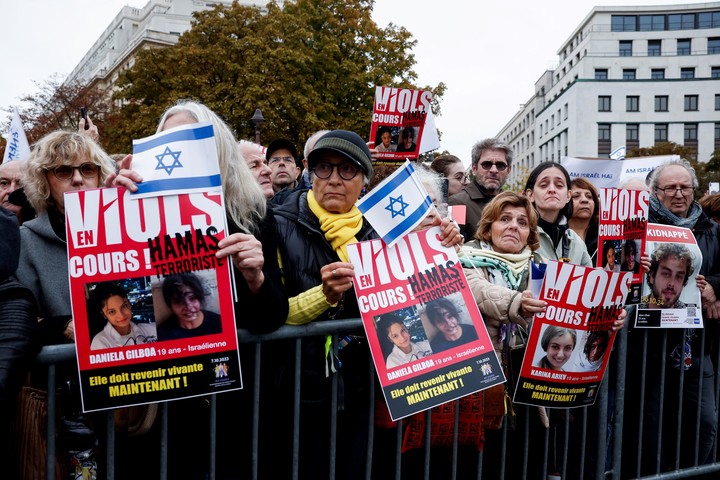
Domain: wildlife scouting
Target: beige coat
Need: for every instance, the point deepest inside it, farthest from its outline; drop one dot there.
(497, 304)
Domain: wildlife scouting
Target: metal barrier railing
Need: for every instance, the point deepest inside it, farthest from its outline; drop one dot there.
(581, 443)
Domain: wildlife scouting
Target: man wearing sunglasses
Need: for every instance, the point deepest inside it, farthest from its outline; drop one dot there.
(491, 162)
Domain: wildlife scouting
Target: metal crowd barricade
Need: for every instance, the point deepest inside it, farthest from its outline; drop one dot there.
(569, 448)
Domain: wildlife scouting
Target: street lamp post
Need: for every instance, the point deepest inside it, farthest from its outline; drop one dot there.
(258, 120)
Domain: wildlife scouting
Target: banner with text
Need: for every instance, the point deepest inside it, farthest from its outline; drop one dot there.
(670, 296)
(398, 123)
(621, 234)
(152, 305)
(570, 342)
(427, 338)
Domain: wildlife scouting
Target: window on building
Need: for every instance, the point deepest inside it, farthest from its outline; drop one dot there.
(565, 111)
(604, 103)
(683, 21)
(657, 73)
(714, 45)
(654, 48)
(717, 136)
(623, 23)
(661, 103)
(601, 74)
(661, 132)
(691, 132)
(632, 103)
(687, 72)
(629, 73)
(683, 46)
(651, 23)
(709, 20)
(717, 101)
(632, 132)
(691, 103)
(552, 121)
(714, 72)
(625, 48)
(604, 141)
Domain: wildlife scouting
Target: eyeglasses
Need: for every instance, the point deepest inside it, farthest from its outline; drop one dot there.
(499, 165)
(347, 171)
(65, 172)
(672, 191)
(461, 177)
(274, 160)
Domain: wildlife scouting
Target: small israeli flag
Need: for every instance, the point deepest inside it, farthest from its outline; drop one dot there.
(537, 275)
(179, 160)
(17, 147)
(397, 204)
(618, 153)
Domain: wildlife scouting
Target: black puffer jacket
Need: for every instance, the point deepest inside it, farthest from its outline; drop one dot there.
(304, 251)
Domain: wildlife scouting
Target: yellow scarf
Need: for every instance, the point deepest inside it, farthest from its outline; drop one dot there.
(339, 228)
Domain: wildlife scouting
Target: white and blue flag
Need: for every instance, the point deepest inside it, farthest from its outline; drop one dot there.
(17, 147)
(618, 153)
(179, 160)
(397, 204)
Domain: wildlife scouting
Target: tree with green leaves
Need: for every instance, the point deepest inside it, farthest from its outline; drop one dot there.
(308, 65)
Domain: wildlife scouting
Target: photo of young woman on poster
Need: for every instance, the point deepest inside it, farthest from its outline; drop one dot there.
(558, 344)
(108, 303)
(406, 347)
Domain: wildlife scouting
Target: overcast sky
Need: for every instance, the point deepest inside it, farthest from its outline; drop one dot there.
(488, 53)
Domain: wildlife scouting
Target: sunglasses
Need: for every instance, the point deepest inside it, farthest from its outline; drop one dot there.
(65, 172)
(488, 165)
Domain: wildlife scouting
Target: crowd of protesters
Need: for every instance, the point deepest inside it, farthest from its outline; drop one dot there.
(290, 222)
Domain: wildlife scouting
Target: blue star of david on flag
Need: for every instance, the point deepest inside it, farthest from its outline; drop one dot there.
(157, 160)
(391, 207)
(175, 156)
(396, 205)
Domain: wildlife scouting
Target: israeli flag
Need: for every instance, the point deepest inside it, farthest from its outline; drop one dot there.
(618, 153)
(17, 147)
(397, 204)
(179, 160)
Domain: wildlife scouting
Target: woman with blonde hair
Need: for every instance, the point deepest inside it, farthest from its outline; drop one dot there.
(60, 162)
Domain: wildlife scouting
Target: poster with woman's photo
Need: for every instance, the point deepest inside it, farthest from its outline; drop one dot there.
(152, 305)
(570, 342)
(621, 234)
(427, 338)
(398, 122)
(670, 294)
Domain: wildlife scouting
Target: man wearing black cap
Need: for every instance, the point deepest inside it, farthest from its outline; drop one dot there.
(282, 159)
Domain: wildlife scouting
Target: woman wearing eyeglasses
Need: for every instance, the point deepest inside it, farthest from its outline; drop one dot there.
(60, 162)
(452, 168)
(111, 300)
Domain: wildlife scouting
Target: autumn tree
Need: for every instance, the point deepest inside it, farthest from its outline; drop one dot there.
(308, 65)
(56, 106)
(664, 148)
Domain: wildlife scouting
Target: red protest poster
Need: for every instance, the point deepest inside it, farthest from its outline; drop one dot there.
(670, 296)
(152, 306)
(570, 343)
(427, 338)
(398, 122)
(621, 234)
